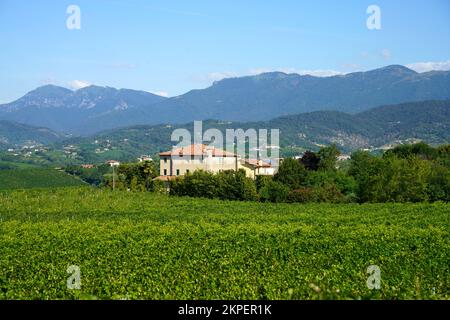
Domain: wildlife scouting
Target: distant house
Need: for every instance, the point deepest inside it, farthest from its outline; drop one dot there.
(87, 166)
(145, 158)
(113, 163)
(181, 161)
(254, 168)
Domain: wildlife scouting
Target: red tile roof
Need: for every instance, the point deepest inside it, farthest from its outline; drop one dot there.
(257, 163)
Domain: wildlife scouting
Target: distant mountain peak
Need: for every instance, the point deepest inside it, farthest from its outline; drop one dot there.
(251, 98)
(395, 68)
(50, 89)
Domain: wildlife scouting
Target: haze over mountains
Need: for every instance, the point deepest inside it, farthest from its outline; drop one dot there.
(82, 111)
(245, 99)
(427, 120)
(14, 134)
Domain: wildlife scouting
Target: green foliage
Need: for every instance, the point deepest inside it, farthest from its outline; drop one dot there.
(420, 149)
(328, 157)
(394, 179)
(199, 184)
(137, 176)
(291, 173)
(409, 173)
(301, 195)
(36, 178)
(327, 193)
(261, 181)
(149, 246)
(235, 186)
(94, 176)
(274, 191)
(438, 188)
(227, 185)
(310, 160)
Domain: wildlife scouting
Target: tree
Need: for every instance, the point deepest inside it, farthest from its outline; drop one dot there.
(366, 170)
(291, 173)
(328, 157)
(261, 181)
(421, 149)
(148, 172)
(390, 178)
(310, 161)
(232, 185)
(274, 192)
(439, 183)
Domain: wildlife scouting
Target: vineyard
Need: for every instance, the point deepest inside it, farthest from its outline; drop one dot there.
(148, 246)
(36, 178)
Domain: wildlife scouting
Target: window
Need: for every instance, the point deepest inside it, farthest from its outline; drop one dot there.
(178, 172)
(187, 170)
(165, 172)
(165, 160)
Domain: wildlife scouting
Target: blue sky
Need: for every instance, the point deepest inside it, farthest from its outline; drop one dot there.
(171, 47)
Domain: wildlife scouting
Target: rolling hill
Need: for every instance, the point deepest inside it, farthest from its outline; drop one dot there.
(428, 121)
(14, 135)
(36, 178)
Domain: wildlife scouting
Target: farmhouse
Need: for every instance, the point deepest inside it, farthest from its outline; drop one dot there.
(183, 160)
(254, 168)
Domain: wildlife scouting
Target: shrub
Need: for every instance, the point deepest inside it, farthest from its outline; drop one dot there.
(233, 185)
(274, 192)
(328, 193)
(261, 181)
(301, 195)
(200, 184)
(291, 173)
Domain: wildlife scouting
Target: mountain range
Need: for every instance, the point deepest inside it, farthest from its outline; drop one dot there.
(243, 99)
(427, 121)
(80, 112)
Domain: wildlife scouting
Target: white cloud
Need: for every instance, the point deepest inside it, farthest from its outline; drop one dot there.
(429, 66)
(78, 84)
(161, 93)
(386, 54)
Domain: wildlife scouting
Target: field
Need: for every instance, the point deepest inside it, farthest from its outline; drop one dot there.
(26, 178)
(147, 246)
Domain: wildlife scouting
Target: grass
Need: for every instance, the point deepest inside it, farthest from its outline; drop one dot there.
(36, 178)
(147, 246)
(9, 165)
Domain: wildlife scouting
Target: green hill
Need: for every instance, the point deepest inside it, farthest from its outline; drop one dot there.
(36, 178)
(427, 120)
(13, 135)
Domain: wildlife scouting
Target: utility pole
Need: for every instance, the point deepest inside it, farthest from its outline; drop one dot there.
(114, 178)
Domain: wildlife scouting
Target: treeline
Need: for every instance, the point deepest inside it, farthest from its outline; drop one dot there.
(407, 173)
(128, 176)
(96, 176)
